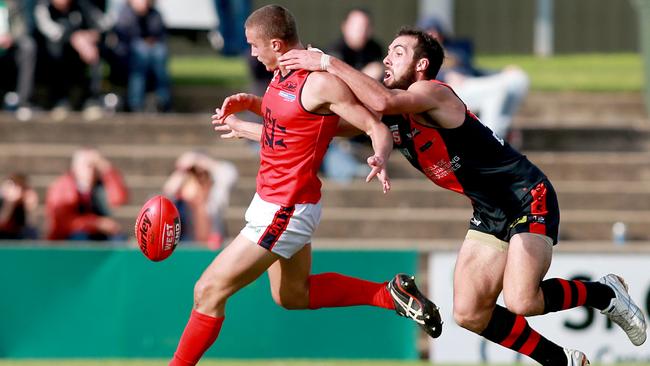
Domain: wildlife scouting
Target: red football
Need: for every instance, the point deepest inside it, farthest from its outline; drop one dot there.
(158, 228)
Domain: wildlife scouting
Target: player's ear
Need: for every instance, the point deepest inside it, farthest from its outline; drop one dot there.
(422, 65)
(277, 44)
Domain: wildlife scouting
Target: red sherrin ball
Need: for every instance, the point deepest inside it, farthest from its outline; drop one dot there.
(158, 228)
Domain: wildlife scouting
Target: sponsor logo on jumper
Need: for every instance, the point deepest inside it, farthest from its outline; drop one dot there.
(287, 97)
(414, 132)
(271, 126)
(394, 130)
(475, 221)
(289, 86)
(442, 168)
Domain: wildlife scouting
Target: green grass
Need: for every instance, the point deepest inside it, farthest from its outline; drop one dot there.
(232, 363)
(585, 72)
(589, 72)
(229, 72)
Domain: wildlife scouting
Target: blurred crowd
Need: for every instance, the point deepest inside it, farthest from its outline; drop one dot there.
(80, 203)
(67, 46)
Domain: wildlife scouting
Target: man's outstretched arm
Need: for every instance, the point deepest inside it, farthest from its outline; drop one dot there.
(369, 91)
(328, 90)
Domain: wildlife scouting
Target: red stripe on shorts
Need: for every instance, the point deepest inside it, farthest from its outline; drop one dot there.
(276, 227)
(538, 208)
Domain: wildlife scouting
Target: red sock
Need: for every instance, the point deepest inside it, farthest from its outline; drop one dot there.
(200, 332)
(330, 290)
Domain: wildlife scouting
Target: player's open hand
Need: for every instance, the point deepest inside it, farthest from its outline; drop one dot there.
(378, 166)
(301, 59)
(228, 125)
(233, 104)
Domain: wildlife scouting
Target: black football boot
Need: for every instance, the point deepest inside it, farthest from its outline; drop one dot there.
(410, 303)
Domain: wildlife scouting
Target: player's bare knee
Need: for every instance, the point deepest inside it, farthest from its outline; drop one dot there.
(295, 299)
(467, 321)
(209, 294)
(521, 305)
(470, 319)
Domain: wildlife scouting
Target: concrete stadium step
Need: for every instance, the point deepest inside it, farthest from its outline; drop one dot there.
(586, 139)
(579, 121)
(118, 129)
(417, 193)
(581, 109)
(543, 127)
(571, 166)
(159, 160)
(131, 159)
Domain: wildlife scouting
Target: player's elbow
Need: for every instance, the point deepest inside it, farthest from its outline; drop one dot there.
(381, 104)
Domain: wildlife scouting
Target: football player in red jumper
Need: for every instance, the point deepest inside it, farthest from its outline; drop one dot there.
(301, 112)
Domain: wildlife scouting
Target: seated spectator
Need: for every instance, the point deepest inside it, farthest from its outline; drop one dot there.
(18, 46)
(200, 187)
(78, 203)
(494, 95)
(358, 48)
(142, 52)
(18, 203)
(71, 32)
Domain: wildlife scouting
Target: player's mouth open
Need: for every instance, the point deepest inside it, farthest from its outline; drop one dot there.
(387, 75)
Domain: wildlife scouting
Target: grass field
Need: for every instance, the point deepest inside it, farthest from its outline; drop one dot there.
(584, 72)
(235, 363)
(589, 72)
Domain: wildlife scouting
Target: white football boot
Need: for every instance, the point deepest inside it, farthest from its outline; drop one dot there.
(576, 358)
(623, 311)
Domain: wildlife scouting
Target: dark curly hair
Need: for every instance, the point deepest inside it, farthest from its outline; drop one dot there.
(427, 47)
